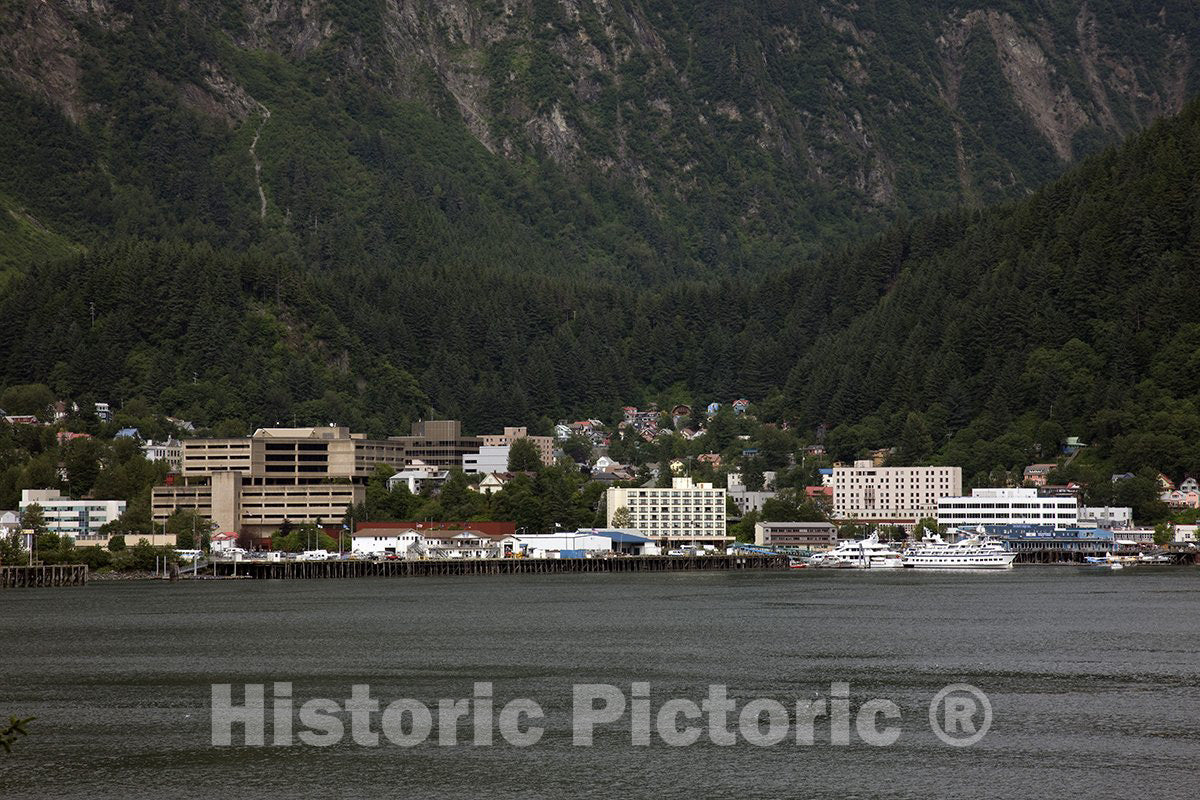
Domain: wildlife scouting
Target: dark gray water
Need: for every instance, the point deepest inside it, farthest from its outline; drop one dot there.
(1092, 676)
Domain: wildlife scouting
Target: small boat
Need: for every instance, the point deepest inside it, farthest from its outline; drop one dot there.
(1111, 560)
(1154, 558)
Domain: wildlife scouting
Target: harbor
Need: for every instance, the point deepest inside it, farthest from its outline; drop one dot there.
(363, 568)
(30, 577)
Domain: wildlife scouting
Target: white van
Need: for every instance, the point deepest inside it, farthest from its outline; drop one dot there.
(316, 555)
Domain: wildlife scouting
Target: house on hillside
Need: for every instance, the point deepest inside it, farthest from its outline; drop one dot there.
(1037, 474)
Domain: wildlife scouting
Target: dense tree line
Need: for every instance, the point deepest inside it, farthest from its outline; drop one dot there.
(979, 338)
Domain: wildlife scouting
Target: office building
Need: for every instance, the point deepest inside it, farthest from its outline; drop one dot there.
(799, 535)
(489, 459)
(1008, 507)
(254, 483)
(79, 519)
(544, 444)
(438, 443)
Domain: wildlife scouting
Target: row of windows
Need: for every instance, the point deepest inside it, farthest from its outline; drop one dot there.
(1009, 505)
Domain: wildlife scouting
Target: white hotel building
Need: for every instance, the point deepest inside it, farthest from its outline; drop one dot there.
(892, 495)
(1008, 507)
(686, 514)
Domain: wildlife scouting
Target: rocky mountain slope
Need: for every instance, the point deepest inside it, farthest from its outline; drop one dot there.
(646, 139)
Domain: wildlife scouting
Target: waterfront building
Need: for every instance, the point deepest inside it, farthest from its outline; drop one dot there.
(255, 483)
(901, 496)
(578, 544)
(1008, 507)
(1109, 517)
(79, 519)
(544, 444)
(801, 535)
(1033, 540)
(686, 513)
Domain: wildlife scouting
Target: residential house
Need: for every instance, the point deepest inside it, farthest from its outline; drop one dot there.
(821, 495)
(1073, 445)
(741, 406)
(1036, 474)
(169, 450)
(493, 482)
(418, 476)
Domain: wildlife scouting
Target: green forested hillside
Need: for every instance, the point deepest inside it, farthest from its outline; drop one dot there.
(639, 141)
(510, 218)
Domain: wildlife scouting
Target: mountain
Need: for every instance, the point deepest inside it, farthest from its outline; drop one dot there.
(646, 140)
(267, 212)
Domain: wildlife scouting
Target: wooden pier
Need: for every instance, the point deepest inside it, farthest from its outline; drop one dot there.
(37, 577)
(280, 570)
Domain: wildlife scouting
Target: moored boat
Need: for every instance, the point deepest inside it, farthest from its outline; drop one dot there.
(973, 552)
(867, 553)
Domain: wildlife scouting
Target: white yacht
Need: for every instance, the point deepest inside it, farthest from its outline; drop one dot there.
(973, 552)
(868, 553)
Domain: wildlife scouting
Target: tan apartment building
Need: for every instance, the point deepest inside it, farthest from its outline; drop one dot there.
(438, 443)
(544, 444)
(255, 483)
(892, 495)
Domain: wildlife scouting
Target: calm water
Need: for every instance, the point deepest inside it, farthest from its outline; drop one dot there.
(1094, 679)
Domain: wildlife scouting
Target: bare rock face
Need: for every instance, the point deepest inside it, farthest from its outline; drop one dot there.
(837, 97)
(291, 27)
(41, 56)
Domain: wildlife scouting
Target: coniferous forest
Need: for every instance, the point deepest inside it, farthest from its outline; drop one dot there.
(242, 221)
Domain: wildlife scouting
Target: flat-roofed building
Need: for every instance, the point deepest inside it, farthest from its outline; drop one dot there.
(1008, 507)
(438, 443)
(255, 483)
(490, 459)
(79, 519)
(544, 444)
(687, 513)
(892, 495)
(801, 535)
